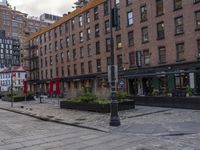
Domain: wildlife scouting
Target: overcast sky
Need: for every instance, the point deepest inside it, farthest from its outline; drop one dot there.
(38, 7)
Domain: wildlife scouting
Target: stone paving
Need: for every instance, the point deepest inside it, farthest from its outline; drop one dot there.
(144, 128)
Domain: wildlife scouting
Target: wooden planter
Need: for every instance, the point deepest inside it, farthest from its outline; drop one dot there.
(173, 102)
(17, 99)
(94, 107)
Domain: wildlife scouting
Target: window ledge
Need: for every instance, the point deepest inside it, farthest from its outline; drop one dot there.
(144, 42)
(197, 29)
(177, 34)
(181, 60)
(161, 38)
(161, 63)
(176, 9)
(160, 15)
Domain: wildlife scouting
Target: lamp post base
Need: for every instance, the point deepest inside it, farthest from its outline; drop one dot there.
(114, 120)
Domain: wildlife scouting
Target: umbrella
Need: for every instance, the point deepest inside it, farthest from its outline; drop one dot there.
(58, 86)
(25, 87)
(51, 87)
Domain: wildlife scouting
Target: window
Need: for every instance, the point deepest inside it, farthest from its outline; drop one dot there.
(61, 43)
(56, 58)
(97, 30)
(108, 61)
(81, 52)
(197, 14)
(74, 54)
(66, 26)
(106, 8)
(68, 70)
(50, 47)
(90, 66)
(132, 59)
(129, 2)
(118, 41)
(198, 47)
(180, 51)
(50, 59)
(67, 42)
(162, 54)
(130, 18)
(159, 7)
(119, 62)
(181, 81)
(107, 26)
(179, 25)
(62, 57)
(177, 4)
(97, 48)
(73, 23)
(81, 37)
(108, 46)
(60, 29)
(145, 36)
(117, 2)
(56, 45)
(75, 69)
(88, 34)
(160, 30)
(68, 56)
(49, 35)
(130, 38)
(98, 65)
(196, 1)
(62, 71)
(57, 71)
(89, 50)
(45, 62)
(87, 17)
(73, 39)
(80, 21)
(55, 33)
(146, 57)
(96, 13)
(143, 13)
(82, 68)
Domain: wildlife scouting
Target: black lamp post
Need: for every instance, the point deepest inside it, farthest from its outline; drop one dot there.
(114, 119)
(11, 86)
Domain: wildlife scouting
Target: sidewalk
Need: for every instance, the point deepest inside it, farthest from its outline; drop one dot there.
(142, 120)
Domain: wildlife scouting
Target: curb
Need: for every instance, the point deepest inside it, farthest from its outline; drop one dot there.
(54, 120)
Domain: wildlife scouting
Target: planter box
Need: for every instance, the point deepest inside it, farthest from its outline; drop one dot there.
(173, 102)
(102, 108)
(17, 99)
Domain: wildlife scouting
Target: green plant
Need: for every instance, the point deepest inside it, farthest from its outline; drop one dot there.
(121, 96)
(190, 91)
(11, 95)
(87, 97)
(102, 101)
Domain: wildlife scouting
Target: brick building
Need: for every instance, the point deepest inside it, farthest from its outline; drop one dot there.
(18, 25)
(157, 48)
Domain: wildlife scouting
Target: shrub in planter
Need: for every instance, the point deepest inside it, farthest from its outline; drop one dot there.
(102, 101)
(121, 96)
(87, 97)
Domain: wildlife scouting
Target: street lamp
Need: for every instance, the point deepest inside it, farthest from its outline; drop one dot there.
(114, 119)
(11, 86)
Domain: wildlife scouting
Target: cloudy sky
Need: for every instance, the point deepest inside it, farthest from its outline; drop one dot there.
(38, 7)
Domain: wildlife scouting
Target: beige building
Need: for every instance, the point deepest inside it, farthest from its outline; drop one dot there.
(157, 48)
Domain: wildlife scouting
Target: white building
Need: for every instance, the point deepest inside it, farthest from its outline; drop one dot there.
(18, 76)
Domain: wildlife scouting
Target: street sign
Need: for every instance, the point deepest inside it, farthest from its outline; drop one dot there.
(121, 84)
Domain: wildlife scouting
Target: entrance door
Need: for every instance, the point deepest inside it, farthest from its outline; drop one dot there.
(133, 87)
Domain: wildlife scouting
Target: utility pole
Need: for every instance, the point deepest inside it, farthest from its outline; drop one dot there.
(114, 119)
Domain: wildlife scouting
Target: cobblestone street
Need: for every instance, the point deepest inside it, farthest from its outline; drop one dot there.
(145, 128)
